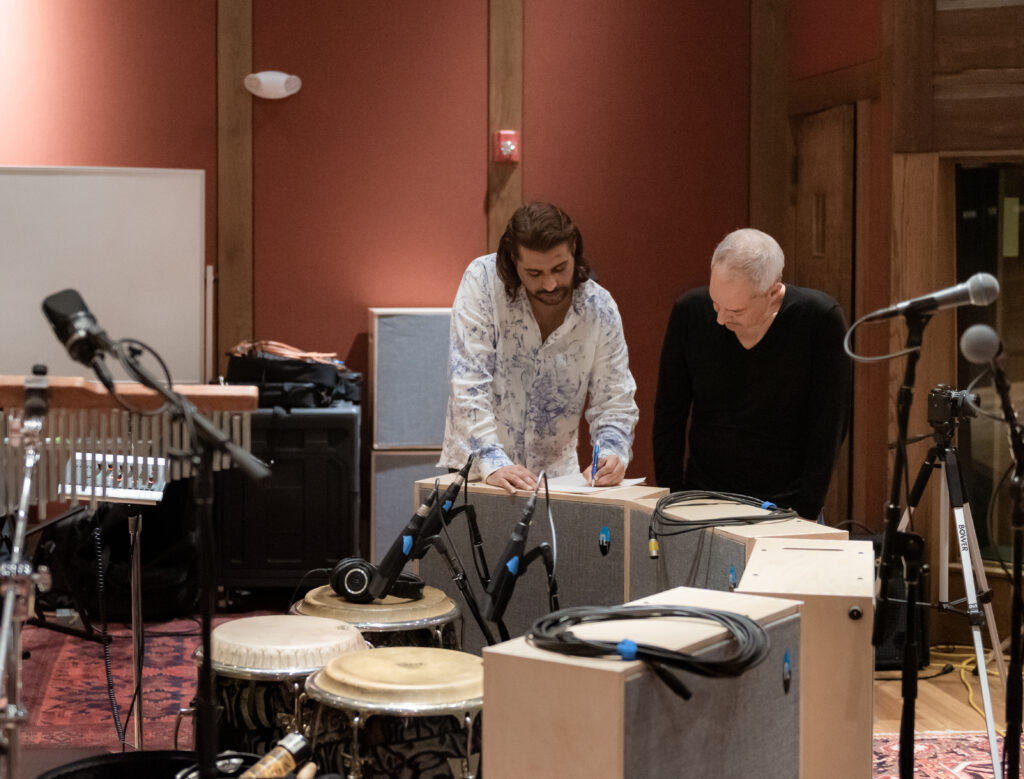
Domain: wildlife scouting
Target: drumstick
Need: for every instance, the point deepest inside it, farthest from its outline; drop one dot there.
(308, 771)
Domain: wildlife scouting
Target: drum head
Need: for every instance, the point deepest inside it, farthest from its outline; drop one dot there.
(325, 602)
(407, 675)
(280, 644)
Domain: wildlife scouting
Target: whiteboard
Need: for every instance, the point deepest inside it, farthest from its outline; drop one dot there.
(129, 240)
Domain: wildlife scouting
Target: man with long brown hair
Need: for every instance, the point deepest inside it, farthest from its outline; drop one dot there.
(533, 336)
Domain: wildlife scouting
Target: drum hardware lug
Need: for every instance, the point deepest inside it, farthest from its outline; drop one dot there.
(182, 713)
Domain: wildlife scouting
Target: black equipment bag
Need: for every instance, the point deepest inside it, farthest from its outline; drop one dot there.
(293, 383)
(170, 582)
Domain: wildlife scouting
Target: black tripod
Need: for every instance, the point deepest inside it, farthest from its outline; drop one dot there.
(946, 407)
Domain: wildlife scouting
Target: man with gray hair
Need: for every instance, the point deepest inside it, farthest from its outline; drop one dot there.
(754, 382)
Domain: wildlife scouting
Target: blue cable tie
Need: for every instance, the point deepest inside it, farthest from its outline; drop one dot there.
(627, 649)
(447, 505)
(769, 506)
(513, 565)
(406, 544)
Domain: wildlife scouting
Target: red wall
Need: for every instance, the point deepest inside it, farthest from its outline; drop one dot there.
(111, 83)
(637, 124)
(370, 182)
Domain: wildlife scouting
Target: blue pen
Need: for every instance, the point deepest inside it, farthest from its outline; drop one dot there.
(593, 468)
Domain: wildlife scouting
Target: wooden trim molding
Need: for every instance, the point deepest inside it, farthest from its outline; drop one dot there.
(235, 302)
(505, 111)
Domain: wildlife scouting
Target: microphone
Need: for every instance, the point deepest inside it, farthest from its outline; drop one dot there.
(77, 329)
(980, 344)
(979, 290)
(397, 556)
(432, 524)
(507, 572)
(426, 522)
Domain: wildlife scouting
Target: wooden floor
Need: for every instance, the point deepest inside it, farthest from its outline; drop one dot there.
(943, 699)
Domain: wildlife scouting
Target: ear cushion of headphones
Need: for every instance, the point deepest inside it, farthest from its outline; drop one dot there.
(350, 579)
(408, 586)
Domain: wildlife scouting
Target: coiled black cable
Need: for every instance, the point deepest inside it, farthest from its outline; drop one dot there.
(752, 644)
(664, 525)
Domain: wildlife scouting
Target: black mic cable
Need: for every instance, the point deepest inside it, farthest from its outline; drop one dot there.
(661, 525)
(752, 644)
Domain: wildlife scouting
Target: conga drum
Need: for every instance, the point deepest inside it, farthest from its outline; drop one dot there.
(260, 665)
(431, 621)
(398, 711)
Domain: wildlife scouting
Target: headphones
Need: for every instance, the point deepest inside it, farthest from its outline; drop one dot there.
(351, 580)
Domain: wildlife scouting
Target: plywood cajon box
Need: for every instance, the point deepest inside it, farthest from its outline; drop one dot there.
(835, 581)
(552, 715)
(590, 572)
(712, 558)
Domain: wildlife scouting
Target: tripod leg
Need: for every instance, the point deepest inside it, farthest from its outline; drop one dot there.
(956, 499)
(979, 569)
(920, 482)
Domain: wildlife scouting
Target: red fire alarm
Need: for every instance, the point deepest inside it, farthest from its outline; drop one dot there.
(505, 147)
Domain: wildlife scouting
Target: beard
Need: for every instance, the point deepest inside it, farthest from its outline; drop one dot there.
(552, 298)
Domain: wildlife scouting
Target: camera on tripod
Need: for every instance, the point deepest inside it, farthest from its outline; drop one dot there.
(946, 404)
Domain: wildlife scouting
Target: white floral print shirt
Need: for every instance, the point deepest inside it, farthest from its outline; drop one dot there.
(516, 400)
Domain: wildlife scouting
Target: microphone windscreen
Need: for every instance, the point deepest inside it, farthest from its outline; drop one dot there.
(62, 309)
(983, 288)
(979, 344)
(63, 304)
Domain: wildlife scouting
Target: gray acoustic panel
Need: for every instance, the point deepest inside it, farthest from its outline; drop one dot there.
(394, 475)
(585, 576)
(409, 376)
(698, 558)
(747, 726)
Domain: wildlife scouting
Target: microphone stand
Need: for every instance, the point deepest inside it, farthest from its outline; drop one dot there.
(19, 577)
(458, 574)
(1014, 698)
(908, 546)
(207, 441)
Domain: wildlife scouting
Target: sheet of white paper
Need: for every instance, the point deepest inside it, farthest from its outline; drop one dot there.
(575, 483)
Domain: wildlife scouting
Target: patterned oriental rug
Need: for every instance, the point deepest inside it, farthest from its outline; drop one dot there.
(65, 694)
(937, 755)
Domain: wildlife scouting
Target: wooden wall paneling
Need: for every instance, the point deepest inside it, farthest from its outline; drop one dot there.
(234, 177)
(824, 239)
(913, 22)
(924, 260)
(771, 143)
(980, 117)
(979, 38)
(505, 112)
(979, 77)
(864, 455)
(846, 85)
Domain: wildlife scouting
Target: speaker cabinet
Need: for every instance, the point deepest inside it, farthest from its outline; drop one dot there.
(591, 541)
(550, 714)
(409, 375)
(306, 515)
(393, 474)
(711, 558)
(835, 581)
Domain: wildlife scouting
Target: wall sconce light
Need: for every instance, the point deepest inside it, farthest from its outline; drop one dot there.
(272, 84)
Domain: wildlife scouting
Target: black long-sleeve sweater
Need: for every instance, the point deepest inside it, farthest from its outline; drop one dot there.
(766, 422)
